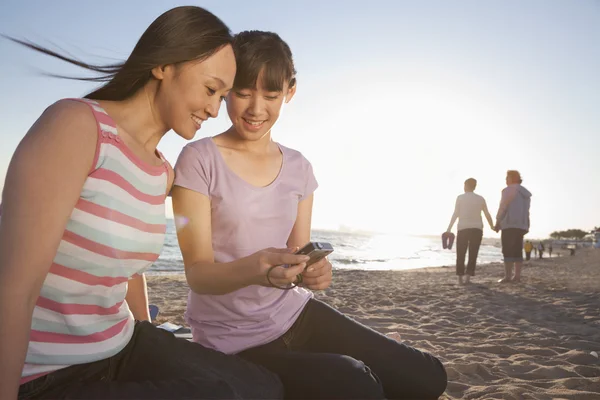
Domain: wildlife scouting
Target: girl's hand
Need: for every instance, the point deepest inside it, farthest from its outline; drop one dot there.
(281, 264)
(318, 276)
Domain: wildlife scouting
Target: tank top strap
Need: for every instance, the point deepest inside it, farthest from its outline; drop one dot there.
(106, 125)
(106, 128)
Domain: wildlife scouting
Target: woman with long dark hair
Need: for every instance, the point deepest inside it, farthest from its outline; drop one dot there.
(83, 216)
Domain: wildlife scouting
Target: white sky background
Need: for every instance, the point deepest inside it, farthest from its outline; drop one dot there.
(398, 102)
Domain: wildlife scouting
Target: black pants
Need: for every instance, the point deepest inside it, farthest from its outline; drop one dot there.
(467, 239)
(157, 365)
(512, 244)
(527, 255)
(326, 355)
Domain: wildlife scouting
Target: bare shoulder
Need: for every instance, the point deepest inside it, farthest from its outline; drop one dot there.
(66, 119)
(65, 133)
(66, 122)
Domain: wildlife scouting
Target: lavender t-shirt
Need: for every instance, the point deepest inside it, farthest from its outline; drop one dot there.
(245, 219)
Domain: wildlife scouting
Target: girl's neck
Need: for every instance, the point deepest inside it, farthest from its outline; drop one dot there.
(231, 138)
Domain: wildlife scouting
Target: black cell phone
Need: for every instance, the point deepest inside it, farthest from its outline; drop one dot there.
(316, 251)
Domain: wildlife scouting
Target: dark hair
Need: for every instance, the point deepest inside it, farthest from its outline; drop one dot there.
(257, 51)
(181, 34)
(514, 175)
(471, 184)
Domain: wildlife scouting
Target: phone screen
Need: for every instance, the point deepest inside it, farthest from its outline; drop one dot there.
(316, 251)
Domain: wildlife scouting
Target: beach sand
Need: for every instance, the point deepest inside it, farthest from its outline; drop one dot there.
(531, 340)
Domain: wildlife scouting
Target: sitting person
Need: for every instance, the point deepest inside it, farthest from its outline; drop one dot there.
(239, 193)
(83, 215)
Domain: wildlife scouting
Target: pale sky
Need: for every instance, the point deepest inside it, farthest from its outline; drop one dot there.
(398, 102)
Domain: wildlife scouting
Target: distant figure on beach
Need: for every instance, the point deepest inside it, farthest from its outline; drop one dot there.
(84, 217)
(540, 249)
(550, 250)
(528, 248)
(243, 194)
(513, 220)
(467, 210)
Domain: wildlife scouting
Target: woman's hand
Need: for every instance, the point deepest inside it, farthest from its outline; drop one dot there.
(281, 264)
(318, 276)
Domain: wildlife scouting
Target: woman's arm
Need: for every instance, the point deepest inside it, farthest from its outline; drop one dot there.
(454, 216)
(43, 184)
(508, 195)
(137, 289)
(137, 297)
(194, 233)
(488, 217)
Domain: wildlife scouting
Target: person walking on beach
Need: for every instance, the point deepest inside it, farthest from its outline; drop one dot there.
(540, 248)
(513, 220)
(467, 210)
(83, 216)
(550, 250)
(528, 248)
(240, 193)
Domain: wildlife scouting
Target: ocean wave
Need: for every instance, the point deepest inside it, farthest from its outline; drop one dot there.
(351, 261)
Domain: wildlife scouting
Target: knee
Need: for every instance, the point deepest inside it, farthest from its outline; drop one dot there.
(271, 387)
(262, 383)
(421, 377)
(437, 380)
(356, 380)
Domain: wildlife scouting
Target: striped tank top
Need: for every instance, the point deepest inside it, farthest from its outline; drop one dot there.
(116, 230)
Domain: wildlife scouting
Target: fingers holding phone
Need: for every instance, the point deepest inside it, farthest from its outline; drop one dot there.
(319, 272)
(318, 276)
(283, 277)
(287, 268)
(279, 267)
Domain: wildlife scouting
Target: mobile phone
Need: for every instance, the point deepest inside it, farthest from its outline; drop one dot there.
(316, 251)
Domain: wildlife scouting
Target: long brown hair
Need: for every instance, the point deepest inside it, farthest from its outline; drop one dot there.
(181, 34)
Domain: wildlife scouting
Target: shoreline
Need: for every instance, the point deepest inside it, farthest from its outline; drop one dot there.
(335, 269)
(532, 339)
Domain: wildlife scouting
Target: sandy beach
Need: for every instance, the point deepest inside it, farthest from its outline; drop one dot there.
(531, 340)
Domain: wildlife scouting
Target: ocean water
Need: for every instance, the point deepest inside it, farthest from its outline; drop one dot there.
(358, 251)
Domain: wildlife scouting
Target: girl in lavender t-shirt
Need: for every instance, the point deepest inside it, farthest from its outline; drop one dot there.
(243, 203)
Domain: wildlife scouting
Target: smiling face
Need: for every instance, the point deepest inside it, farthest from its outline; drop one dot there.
(254, 111)
(191, 92)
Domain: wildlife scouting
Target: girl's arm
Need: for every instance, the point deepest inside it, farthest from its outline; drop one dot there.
(204, 276)
(319, 275)
(43, 184)
(300, 234)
